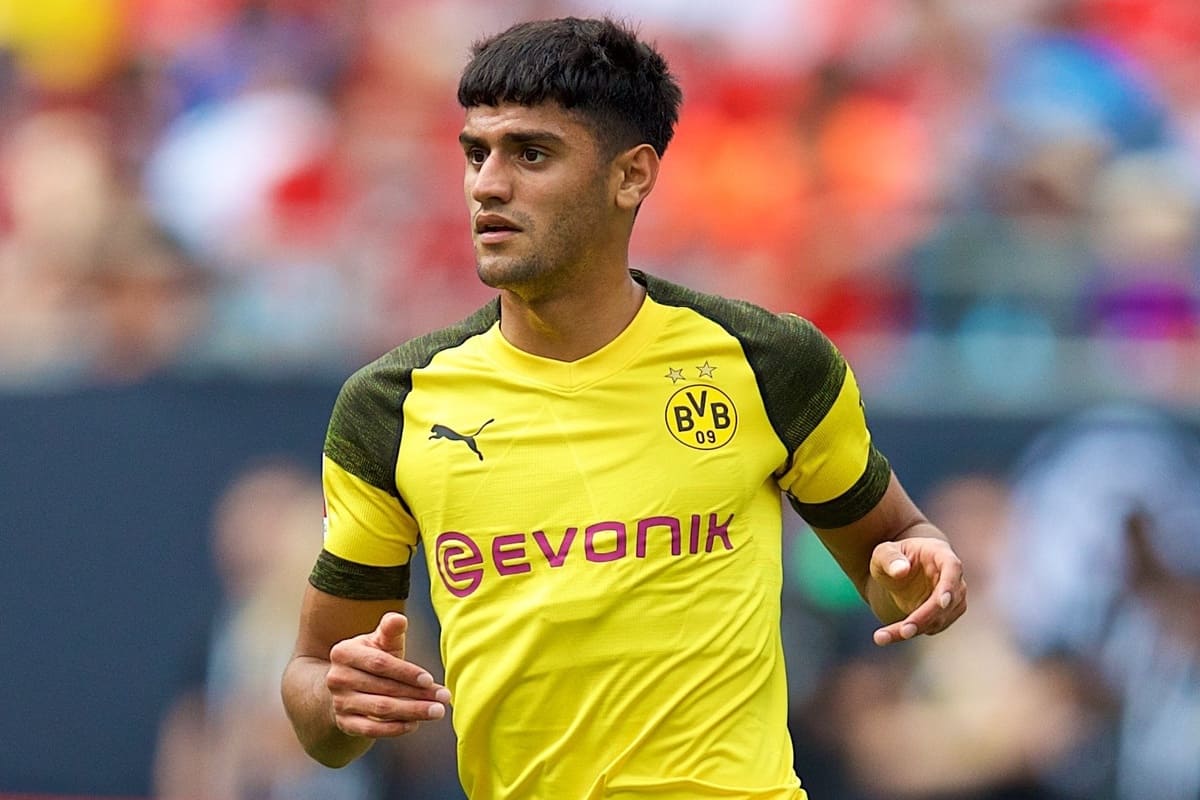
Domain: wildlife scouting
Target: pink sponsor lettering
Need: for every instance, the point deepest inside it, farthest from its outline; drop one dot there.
(716, 531)
(508, 549)
(589, 541)
(645, 525)
(461, 562)
(555, 558)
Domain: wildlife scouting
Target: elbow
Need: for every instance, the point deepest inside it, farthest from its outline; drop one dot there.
(334, 749)
(308, 709)
(333, 760)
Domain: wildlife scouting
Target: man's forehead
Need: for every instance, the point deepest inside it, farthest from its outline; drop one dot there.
(514, 118)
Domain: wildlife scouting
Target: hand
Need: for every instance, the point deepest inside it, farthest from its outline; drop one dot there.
(376, 692)
(923, 579)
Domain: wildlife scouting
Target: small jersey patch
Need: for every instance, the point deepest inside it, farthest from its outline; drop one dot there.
(701, 416)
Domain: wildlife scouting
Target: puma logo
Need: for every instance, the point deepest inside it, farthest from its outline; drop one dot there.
(442, 432)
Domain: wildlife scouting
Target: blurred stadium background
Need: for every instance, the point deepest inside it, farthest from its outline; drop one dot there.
(211, 211)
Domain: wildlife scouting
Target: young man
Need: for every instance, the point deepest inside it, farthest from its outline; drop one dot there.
(593, 463)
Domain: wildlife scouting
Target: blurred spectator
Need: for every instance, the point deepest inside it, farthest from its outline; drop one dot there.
(149, 301)
(1146, 239)
(1142, 302)
(1106, 526)
(53, 163)
(1040, 245)
(226, 735)
(993, 723)
(228, 738)
(93, 289)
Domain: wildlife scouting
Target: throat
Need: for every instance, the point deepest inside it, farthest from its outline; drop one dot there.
(571, 327)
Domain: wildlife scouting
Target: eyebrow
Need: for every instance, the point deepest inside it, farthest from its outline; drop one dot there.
(514, 138)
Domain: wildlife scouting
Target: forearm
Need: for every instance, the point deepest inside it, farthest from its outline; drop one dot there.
(309, 706)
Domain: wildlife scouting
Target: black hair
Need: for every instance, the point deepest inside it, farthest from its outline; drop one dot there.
(596, 68)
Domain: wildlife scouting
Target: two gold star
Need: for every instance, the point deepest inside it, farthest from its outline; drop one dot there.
(676, 375)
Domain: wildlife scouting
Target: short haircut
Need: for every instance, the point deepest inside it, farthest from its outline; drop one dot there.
(597, 68)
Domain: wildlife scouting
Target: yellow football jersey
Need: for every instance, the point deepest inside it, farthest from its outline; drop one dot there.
(603, 537)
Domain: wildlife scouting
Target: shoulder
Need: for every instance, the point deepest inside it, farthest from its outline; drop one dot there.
(764, 334)
(367, 420)
(799, 370)
(416, 353)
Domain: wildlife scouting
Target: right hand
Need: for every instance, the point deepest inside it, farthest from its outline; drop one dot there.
(376, 692)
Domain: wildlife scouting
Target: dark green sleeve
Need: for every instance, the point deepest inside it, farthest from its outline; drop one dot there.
(368, 418)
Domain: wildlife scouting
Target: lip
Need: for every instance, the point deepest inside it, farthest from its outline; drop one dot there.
(486, 226)
(496, 237)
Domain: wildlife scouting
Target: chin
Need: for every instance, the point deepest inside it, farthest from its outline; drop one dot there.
(490, 273)
(506, 273)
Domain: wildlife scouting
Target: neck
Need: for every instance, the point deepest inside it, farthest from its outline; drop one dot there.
(570, 325)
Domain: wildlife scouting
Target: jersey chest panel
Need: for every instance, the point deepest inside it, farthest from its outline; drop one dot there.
(513, 482)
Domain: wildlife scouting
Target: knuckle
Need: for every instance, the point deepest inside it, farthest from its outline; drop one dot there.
(375, 662)
(341, 706)
(342, 652)
(344, 722)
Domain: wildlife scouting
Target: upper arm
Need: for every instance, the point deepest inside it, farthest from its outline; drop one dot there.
(833, 474)
(362, 571)
(327, 619)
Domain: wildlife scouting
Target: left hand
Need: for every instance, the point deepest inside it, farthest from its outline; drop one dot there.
(923, 579)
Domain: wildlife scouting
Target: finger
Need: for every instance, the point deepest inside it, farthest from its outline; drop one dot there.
(929, 618)
(896, 632)
(387, 709)
(358, 725)
(356, 654)
(922, 617)
(950, 595)
(341, 678)
(950, 581)
(889, 563)
(390, 633)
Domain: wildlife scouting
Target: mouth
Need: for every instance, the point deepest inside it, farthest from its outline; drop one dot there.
(493, 228)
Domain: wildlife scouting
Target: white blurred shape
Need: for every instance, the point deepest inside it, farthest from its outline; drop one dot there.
(210, 178)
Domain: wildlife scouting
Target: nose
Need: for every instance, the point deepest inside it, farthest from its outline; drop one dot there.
(489, 181)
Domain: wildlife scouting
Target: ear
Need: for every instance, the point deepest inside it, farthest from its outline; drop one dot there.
(635, 172)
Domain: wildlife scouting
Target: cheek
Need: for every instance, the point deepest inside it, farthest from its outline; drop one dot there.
(582, 204)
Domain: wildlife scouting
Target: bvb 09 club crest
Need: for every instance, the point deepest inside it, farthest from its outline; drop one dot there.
(701, 416)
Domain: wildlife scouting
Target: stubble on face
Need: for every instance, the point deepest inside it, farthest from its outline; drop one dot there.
(553, 252)
(498, 269)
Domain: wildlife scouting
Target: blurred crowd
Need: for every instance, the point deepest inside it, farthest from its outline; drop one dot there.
(271, 186)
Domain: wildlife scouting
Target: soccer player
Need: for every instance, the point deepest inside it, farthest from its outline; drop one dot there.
(593, 462)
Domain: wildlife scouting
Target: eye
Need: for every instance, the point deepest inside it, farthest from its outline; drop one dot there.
(476, 155)
(532, 155)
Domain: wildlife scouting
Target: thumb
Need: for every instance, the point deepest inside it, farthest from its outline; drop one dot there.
(389, 633)
(889, 563)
